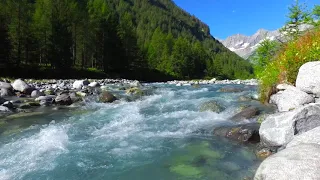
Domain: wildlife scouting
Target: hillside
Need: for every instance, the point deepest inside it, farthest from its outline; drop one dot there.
(143, 39)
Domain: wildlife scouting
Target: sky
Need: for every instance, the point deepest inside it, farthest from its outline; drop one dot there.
(229, 17)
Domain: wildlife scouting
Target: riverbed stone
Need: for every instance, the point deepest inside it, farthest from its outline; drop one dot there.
(36, 93)
(20, 85)
(290, 99)
(279, 129)
(107, 97)
(8, 104)
(4, 109)
(94, 84)
(282, 87)
(213, 106)
(308, 79)
(45, 98)
(5, 85)
(80, 83)
(4, 92)
(241, 133)
(63, 99)
(293, 163)
(246, 113)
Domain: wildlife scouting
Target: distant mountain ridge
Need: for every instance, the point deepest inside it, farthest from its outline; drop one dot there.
(245, 46)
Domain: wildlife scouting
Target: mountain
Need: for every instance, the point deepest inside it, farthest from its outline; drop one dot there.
(245, 46)
(123, 38)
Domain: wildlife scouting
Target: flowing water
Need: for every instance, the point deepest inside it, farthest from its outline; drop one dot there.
(152, 138)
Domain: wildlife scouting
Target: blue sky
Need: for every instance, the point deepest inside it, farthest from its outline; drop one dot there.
(228, 17)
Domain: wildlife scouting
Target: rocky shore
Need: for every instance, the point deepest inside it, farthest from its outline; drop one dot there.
(293, 132)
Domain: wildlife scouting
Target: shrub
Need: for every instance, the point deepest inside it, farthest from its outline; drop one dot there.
(284, 68)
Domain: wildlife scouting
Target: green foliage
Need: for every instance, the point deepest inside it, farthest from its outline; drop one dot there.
(264, 54)
(128, 38)
(286, 64)
(316, 15)
(297, 16)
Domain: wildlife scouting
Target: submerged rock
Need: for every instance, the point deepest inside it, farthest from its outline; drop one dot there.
(246, 113)
(107, 97)
(242, 133)
(290, 99)
(134, 91)
(279, 129)
(308, 79)
(213, 106)
(293, 163)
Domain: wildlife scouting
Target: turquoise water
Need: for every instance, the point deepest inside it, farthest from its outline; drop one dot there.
(155, 138)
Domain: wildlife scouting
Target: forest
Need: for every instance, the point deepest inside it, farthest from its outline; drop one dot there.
(150, 40)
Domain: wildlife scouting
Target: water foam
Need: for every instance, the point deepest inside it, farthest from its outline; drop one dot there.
(37, 152)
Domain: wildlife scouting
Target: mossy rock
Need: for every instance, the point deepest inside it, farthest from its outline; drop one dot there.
(213, 106)
(49, 92)
(186, 170)
(107, 97)
(135, 91)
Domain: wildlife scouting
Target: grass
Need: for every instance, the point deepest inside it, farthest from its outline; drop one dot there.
(285, 66)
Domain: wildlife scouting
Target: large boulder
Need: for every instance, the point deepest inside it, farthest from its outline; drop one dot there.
(294, 163)
(290, 99)
(308, 79)
(107, 97)
(309, 137)
(213, 106)
(246, 113)
(241, 133)
(63, 99)
(279, 129)
(80, 83)
(20, 86)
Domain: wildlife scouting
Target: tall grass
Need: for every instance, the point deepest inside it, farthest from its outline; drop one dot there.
(285, 66)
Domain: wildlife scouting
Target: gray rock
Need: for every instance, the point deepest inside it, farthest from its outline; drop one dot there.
(246, 113)
(45, 98)
(290, 99)
(5, 85)
(63, 99)
(136, 84)
(2, 100)
(213, 106)
(5, 92)
(94, 84)
(20, 86)
(308, 79)
(309, 137)
(279, 129)
(240, 133)
(107, 97)
(301, 162)
(4, 109)
(80, 83)
(36, 93)
(8, 104)
(231, 89)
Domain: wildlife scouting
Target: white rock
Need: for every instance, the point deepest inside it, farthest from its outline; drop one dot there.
(282, 87)
(179, 84)
(280, 128)
(309, 137)
(300, 162)
(290, 98)
(308, 78)
(36, 93)
(80, 83)
(20, 85)
(94, 84)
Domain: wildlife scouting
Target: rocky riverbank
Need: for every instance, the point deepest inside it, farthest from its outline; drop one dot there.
(293, 132)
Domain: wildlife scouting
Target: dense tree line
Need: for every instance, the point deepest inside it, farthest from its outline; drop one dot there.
(114, 36)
